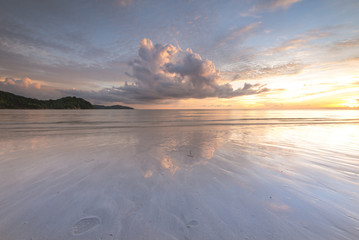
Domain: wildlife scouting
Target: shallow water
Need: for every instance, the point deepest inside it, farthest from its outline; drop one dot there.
(179, 174)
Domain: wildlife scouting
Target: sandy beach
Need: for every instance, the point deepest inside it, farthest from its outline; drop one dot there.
(178, 175)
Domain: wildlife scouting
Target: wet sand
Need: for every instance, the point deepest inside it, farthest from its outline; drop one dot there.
(81, 179)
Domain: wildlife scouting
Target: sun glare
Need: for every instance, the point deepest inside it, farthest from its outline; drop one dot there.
(352, 103)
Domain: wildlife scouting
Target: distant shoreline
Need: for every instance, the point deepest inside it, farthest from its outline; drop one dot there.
(12, 101)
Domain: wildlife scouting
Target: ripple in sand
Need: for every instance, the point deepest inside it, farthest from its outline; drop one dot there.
(84, 225)
(192, 223)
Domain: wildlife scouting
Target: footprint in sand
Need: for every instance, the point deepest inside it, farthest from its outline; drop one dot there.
(192, 223)
(85, 224)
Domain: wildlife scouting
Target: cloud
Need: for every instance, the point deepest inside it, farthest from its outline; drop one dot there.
(72, 74)
(288, 45)
(125, 3)
(29, 88)
(297, 42)
(163, 72)
(19, 40)
(258, 72)
(239, 33)
(21, 86)
(71, 59)
(25, 83)
(16, 37)
(271, 5)
(267, 6)
(349, 43)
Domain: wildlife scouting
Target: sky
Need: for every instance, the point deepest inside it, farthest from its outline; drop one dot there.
(242, 54)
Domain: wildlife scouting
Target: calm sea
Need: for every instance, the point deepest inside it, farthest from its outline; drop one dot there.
(52, 120)
(179, 174)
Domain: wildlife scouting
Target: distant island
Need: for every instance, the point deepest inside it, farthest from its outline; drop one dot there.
(12, 101)
(111, 107)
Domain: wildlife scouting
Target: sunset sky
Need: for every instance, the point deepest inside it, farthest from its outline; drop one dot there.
(183, 54)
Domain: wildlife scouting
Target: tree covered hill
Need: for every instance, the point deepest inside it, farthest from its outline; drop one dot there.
(111, 107)
(12, 101)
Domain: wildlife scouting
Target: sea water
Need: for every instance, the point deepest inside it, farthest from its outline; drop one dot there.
(179, 174)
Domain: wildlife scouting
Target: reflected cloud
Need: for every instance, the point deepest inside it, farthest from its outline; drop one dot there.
(168, 164)
(148, 174)
(278, 207)
(161, 150)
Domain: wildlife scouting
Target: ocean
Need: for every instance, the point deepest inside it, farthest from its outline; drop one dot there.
(179, 174)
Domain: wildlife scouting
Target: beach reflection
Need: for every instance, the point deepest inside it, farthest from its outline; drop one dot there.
(171, 149)
(179, 175)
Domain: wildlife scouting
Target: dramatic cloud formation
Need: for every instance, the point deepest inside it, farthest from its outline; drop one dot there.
(87, 45)
(167, 72)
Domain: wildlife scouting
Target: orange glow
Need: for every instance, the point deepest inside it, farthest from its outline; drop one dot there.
(167, 163)
(351, 103)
